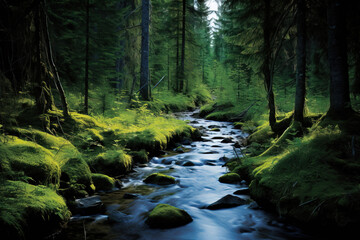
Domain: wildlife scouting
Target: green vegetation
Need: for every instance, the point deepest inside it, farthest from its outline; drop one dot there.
(28, 210)
(159, 179)
(230, 178)
(103, 182)
(167, 216)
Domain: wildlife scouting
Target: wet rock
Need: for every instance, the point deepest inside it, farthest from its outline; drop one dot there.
(254, 205)
(216, 146)
(237, 144)
(244, 191)
(224, 159)
(194, 122)
(227, 140)
(188, 164)
(230, 178)
(215, 129)
(142, 165)
(167, 216)
(246, 229)
(103, 182)
(213, 126)
(118, 217)
(130, 196)
(218, 137)
(159, 179)
(179, 150)
(210, 162)
(168, 161)
(228, 201)
(89, 206)
(210, 152)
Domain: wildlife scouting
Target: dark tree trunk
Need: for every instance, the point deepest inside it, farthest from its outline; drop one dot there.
(144, 67)
(177, 52)
(87, 33)
(337, 49)
(301, 62)
(183, 35)
(266, 65)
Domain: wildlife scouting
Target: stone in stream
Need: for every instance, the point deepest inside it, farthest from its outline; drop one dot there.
(168, 161)
(244, 191)
(230, 178)
(228, 201)
(188, 164)
(213, 126)
(89, 206)
(218, 137)
(186, 142)
(224, 159)
(130, 196)
(216, 146)
(210, 152)
(167, 216)
(227, 140)
(159, 179)
(215, 129)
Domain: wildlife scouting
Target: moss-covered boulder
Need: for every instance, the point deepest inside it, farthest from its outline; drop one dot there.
(76, 170)
(28, 160)
(167, 216)
(103, 182)
(140, 156)
(112, 163)
(230, 178)
(28, 210)
(159, 179)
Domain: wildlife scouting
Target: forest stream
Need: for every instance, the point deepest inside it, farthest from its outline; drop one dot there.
(197, 186)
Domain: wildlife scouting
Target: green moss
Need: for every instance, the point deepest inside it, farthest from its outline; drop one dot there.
(215, 130)
(112, 162)
(159, 179)
(140, 156)
(28, 210)
(29, 159)
(262, 134)
(103, 182)
(230, 178)
(77, 171)
(167, 216)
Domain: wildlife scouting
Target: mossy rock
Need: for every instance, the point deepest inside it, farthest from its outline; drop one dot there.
(167, 216)
(215, 130)
(140, 156)
(78, 171)
(230, 178)
(112, 163)
(159, 179)
(103, 182)
(27, 210)
(28, 160)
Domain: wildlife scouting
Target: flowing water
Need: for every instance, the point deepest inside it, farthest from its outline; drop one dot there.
(197, 186)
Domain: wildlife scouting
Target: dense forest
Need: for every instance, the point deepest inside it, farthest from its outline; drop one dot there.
(130, 99)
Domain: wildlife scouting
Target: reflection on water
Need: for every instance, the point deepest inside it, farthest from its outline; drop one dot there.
(197, 186)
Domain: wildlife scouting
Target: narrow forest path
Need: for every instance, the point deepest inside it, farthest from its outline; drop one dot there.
(197, 171)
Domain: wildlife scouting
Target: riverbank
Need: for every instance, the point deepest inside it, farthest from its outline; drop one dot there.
(48, 160)
(306, 174)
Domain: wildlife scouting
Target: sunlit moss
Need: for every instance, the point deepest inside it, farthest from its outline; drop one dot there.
(167, 216)
(28, 210)
(159, 179)
(103, 182)
(29, 159)
(112, 162)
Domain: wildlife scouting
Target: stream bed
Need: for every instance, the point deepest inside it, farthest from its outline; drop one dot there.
(197, 171)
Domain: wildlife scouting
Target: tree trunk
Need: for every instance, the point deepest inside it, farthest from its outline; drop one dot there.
(57, 81)
(301, 62)
(266, 66)
(337, 49)
(183, 35)
(86, 94)
(177, 51)
(144, 67)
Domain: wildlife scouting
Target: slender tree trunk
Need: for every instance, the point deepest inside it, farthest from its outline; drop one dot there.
(57, 81)
(177, 51)
(87, 33)
(301, 62)
(144, 67)
(168, 67)
(183, 35)
(337, 49)
(266, 66)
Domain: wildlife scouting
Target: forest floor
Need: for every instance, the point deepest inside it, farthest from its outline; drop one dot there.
(48, 160)
(308, 174)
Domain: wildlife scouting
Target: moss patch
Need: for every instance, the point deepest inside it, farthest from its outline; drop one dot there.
(230, 178)
(159, 179)
(77, 171)
(112, 162)
(167, 216)
(103, 182)
(139, 156)
(28, 210)
(30, 160)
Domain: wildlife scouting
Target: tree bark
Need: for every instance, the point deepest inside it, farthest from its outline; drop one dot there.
(301, 61)
(144, 67)
(266, 66)
(183, 35)
(86, 94)
(337, 52)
